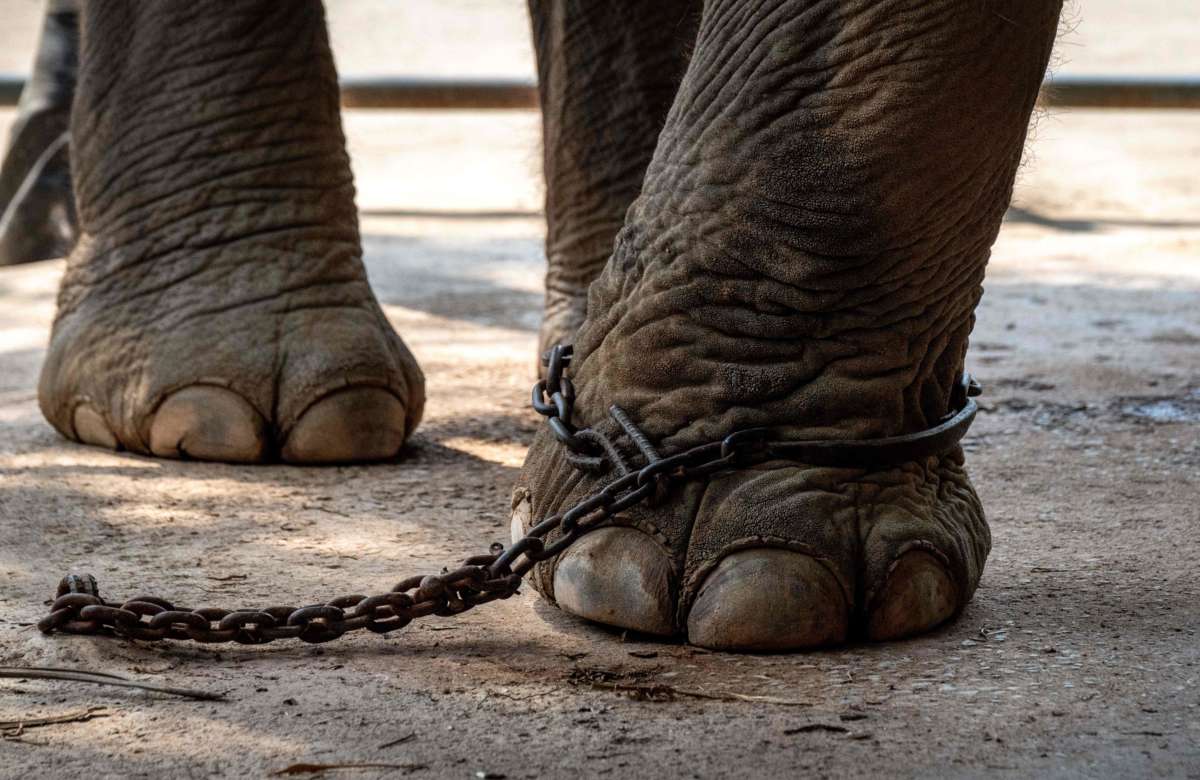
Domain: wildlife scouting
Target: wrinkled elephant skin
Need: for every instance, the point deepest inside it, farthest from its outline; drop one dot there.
(759, 214)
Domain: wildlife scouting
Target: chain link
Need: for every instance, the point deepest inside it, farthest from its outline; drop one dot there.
(79, 609)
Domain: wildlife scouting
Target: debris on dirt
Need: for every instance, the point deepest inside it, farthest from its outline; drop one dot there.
(586, 675)
(11, 729)
(994, 634)
(101, 678)
(631, 684)
(1173, 336)
(1021, 383)
(504, 694)
(1163, 410)
(326, 509)
(647, 691)
(852, 716)
(644, 653)
(406, 738)
(227, 577)
(314, 769)
(809, 728)
(1043, 414)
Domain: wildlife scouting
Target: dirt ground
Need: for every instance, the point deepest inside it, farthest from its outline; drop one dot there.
(1079, 656)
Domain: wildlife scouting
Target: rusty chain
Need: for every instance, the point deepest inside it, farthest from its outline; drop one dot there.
(79, 609)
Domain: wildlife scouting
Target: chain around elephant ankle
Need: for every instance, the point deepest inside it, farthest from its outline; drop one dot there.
(590, 450)
(78, 607)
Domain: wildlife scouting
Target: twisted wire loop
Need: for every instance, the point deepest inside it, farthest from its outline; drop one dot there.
(79, 609)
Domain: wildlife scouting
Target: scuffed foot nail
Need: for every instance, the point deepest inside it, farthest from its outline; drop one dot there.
(90, 428)
(919, 595)
(520, 518)
(355, 424)
(618, 576)
(768, 599)
(207, 422)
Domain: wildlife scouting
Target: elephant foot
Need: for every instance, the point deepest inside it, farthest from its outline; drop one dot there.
(805, 255)
(777, 557)
(783, 555)
(216, 306)
(242, 354)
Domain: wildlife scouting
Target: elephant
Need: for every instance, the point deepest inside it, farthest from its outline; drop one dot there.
(37, 209)
(766, 214)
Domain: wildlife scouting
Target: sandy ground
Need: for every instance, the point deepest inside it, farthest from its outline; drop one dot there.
(1078, 657)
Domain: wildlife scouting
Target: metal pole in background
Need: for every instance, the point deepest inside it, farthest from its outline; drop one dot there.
(1168, 92)
(405, 92)
(430, 93)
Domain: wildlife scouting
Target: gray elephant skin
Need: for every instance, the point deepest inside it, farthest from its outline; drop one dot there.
(759, 214)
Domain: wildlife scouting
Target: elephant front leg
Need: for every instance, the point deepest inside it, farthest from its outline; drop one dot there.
(37, 208)
(805, 255)
(216, 305)
(607, 73)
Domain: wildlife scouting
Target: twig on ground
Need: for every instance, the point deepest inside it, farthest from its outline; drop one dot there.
(399, 741)
(12, 729)
(661, 692)
(327, 510)
(312, 769)
(100, 678)
(809, 728)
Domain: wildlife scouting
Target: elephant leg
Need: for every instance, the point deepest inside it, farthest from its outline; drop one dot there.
(216, 306)
(805, 255)
(37, 209)
(607, 73)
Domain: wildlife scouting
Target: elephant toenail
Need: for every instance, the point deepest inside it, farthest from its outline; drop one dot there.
(919, 594)
(355, 424)
(619, 576)
(90, 428)
(520, 517)
(207, 422)
(768, 599)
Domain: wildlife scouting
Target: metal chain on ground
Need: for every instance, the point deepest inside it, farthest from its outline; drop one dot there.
(79, 609)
